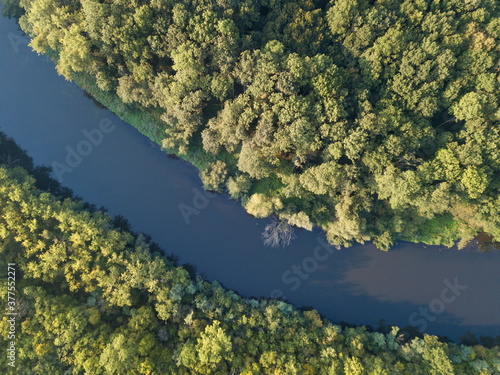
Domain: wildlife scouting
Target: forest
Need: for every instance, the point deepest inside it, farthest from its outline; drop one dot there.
(375, 120)
(94, 298)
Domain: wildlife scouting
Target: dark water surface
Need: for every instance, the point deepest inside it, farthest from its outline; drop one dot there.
(131, 176)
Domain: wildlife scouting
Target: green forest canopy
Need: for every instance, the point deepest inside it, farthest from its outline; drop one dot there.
(92, 298)
(375, 120)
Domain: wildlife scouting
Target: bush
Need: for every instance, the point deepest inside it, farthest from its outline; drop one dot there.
(214, 176)
(238, 186)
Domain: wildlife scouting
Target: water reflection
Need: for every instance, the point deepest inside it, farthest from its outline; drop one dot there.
(422, 276)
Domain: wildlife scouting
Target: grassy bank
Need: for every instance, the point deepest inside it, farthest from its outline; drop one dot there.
(307, 135)
(441, 230)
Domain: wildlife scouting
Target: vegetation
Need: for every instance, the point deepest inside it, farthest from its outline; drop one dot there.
(376, 119)
(93, 298)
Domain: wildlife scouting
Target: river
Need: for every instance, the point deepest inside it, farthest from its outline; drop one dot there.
(443, 291)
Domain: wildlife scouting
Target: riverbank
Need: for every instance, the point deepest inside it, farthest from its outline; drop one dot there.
(442, 230)
(306, 144)
(138, 311)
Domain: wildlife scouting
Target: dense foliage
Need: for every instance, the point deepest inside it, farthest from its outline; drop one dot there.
(374, 119)
(94, 299)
